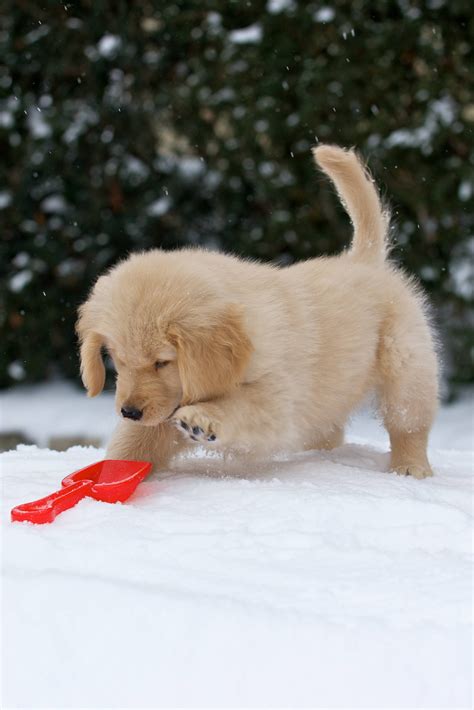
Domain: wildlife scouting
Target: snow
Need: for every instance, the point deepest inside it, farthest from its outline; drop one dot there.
(57, 409)
(37, 124)
(20, 280)
(311, 580)
(274, 7)
(190, 167)
(54, 203)
(159, 207)
(36, 34)
(16, 370)
(461, 270)
(21, 259)
(5, 199)
(109, 45)
(6, 119)
(214, 19)
(135, 168)
(465, 190)
(84, 116)
(324, 14)
(441, 112)
(247, 35)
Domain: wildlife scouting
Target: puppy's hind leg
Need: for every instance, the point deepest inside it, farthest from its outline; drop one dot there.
(408, 388)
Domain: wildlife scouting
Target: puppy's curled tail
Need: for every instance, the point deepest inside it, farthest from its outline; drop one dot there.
(360, 199)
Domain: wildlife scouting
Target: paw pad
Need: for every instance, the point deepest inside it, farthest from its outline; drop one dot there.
(195, 432)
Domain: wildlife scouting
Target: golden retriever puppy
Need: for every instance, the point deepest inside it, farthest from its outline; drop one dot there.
(250, 357)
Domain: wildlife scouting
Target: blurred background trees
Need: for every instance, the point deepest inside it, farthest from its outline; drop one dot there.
(131, 125)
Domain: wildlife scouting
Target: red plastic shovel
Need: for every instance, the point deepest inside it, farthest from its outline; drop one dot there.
(109, 481)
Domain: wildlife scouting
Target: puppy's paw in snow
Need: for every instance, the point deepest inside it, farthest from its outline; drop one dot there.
(195, 424)
(416, 470)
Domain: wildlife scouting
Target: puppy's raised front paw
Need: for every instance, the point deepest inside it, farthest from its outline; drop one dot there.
(194, 423)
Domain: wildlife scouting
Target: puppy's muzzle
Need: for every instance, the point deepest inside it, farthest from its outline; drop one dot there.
(132, 413)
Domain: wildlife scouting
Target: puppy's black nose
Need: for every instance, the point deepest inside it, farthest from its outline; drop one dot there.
(132, 413)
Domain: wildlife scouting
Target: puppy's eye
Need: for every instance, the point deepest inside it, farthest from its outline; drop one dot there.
(161, 363)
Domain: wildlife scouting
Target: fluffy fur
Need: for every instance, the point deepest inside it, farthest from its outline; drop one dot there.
(256, 358)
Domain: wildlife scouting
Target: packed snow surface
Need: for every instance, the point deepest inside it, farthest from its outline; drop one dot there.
(312, 580)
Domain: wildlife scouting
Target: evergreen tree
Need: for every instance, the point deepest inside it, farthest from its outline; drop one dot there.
(130, 125)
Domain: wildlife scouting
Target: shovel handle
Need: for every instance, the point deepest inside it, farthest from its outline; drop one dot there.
(45, 509)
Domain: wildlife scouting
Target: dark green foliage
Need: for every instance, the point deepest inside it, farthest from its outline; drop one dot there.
(109, 108)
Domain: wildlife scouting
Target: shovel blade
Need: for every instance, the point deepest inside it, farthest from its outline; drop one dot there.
(113, 481)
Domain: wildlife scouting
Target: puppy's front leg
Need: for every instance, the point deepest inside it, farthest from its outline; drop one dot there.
(133, 442)
(250, 418)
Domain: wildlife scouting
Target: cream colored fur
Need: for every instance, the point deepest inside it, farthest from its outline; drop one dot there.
(265, 358)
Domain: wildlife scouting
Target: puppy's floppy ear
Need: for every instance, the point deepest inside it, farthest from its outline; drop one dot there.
(212, 356)
(92, 366)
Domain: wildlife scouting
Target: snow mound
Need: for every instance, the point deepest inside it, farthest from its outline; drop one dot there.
(314, 580)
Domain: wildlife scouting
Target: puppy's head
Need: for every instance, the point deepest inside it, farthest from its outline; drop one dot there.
(171, 343)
